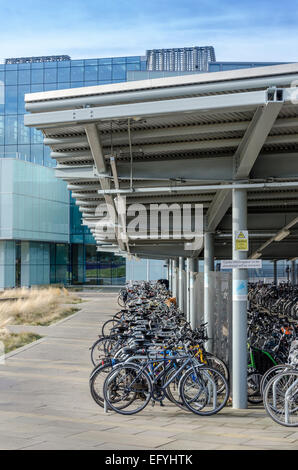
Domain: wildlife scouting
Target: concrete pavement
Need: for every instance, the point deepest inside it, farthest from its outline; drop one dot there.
(45, 401)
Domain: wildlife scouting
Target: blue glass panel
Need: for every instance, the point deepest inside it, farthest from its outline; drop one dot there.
(50, 86)
(105, 72)
(37, 65)
(10, 151)
(91, 61)
(48, 161)
(63, 85)
(11, 129)
(119, 72)
(91, 72)
(77, 74)
(11, 77)
(63, 63)
(11, 101)
(24, 77)
(133, 59)
(118, 60)
(133, 66)
(36, 88)
(91, 83)
(11, 66)
(50, 75)
(77, 84)
(2, 75)
(37, 154)
(22, 90)
(24, 66)
(2, 98)
(105, 61)
(1, 151)
(24, 152)
(77, 63)
(1, 129)
(37, 75)
(36, 136)
(64, 74)
(23, 131)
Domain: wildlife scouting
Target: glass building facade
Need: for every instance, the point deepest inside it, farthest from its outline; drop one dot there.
(42, 239)
(29, 254)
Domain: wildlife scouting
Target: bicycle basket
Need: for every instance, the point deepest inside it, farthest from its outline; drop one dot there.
(262, 361)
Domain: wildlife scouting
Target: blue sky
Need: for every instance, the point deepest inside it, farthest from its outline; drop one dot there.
(239, 30)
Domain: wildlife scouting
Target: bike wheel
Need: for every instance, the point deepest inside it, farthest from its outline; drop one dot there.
(172, 390)
(108, 326)
(98, 351)
(281, 398)
(127, 389)
(96, 381)
(120, 301)
(269, 374)
(204, 390)
(254, 394)
(218, 364)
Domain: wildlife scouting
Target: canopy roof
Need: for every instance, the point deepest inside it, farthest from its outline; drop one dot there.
(186, 139)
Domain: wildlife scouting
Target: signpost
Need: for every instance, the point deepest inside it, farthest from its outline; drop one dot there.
(241, 240)
(241, 264)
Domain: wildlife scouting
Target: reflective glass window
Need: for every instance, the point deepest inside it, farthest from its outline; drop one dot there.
(91, 72)
(63, 85)
(105, 61)
(36, 88)
(22, 90)
(119, 60)
(50, 86)
(91, 61)
(24, 66)
(10, 151)
(64, 74)
(119, 72)
(63, 63)
(37, 75)
(23, 131)
(11, 129)
(77, 63)
(77, 74)
(11, 99)
(133, 59)
(50, 75)
(2, 97)
(24, 152)
(24, 77)
(77, 84)
(37, 154)
(1, 129)
(134, 66)
(11, 77)
(105, 72)
(36, 136)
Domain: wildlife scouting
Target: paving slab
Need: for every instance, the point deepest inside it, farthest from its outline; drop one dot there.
(45, 402)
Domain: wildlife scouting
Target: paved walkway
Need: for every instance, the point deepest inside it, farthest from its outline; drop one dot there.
(45, 401)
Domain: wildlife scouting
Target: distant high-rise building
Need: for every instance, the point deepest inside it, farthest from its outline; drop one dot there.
(180, 59)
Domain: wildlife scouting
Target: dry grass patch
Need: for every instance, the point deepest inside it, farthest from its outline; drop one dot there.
(13, 341)
(37, 306)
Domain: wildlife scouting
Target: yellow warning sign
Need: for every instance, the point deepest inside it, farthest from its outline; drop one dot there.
(241, 240)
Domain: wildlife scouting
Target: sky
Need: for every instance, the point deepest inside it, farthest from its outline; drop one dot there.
(239, 30)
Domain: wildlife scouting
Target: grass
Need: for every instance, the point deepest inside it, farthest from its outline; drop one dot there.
(39, 307)
(13, 341)
(36, 307)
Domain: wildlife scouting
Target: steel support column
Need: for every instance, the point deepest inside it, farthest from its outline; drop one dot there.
(175, 278)
(181, 294)
(293, 273)
(192, 307)
(275, 279)
(208, 301)
(239, 312)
